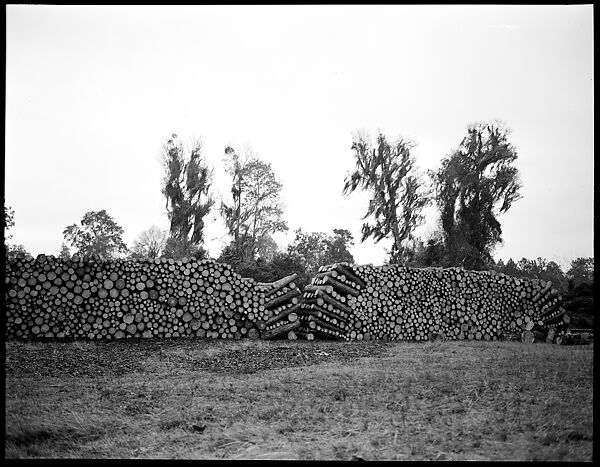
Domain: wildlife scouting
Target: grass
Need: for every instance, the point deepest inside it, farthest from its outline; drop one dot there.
(299, 400)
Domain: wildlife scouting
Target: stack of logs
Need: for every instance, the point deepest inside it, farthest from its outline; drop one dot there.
(326, 309)
(352, 302)
(89, 298)
(282, 300)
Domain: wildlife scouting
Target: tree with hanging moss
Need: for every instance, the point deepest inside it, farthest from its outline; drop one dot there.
(388, 172)
(186, 187)
(474, 185)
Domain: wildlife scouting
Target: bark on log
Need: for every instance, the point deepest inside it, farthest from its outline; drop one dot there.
(270, 333)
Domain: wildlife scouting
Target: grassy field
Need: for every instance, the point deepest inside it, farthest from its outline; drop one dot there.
(299, 400)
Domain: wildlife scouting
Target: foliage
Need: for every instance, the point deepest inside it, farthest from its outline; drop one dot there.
(186, 189)
(10, 251)
(178, 249)
(316, 249)
(388, 172)
(474, 185)
(303, 256)
(580, 297)
(539, 268)
(428, 253)
(283, 264)
(544, 270)
(9, 221)
(581, 271)
(255, 211)
(98, 235)
(337, 247)
(266, 248)
(235, 219)
(511, 269)
(16, 251)
(310, 248)
(150, 243)
(64, 254)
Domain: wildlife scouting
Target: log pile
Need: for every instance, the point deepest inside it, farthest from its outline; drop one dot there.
(575, 337)
(282, 301)
(88, 298)
(326, 310)
(48, 297)
(392, 302)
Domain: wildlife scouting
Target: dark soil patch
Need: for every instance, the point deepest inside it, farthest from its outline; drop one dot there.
(116, 358)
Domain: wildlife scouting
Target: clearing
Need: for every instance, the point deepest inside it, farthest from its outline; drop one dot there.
(247, 399)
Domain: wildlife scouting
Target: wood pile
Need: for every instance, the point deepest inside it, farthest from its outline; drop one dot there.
(282, 302)
(327, 309)
(352, 302)
(89, 298)
(48, 297)
(575, 337)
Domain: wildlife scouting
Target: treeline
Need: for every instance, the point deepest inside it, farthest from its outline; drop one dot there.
(474, 185)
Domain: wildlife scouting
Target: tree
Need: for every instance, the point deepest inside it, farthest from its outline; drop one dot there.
(98, 235)
(531, 268)
(310, 248)
(267, 248)
(337, 247)
(511, 269)
(9, 221)
(474, 185)
(178, 249)
(581, 271)
(544, 270)
(428, 253)
(282, 264)
(388, 172)
(12, 251)
(186, 189)
(150, 243)
(64, 254)
(579, 300)
(232, 213)
(554, 273)
(15, 251)
(255, 210)
(316, 249)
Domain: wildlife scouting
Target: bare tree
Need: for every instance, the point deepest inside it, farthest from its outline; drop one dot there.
(150, 243)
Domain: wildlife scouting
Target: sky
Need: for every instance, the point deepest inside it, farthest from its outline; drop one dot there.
(93, 93)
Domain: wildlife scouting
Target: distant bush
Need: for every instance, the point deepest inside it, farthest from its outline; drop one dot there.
(282, 265)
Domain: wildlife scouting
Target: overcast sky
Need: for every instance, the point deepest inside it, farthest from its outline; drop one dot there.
(92, 93)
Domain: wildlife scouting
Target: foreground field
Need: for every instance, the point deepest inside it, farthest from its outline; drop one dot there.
(299, 400)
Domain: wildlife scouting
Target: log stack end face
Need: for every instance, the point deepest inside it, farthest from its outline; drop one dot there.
(393, 302)
(89, 298)
(47, 297)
